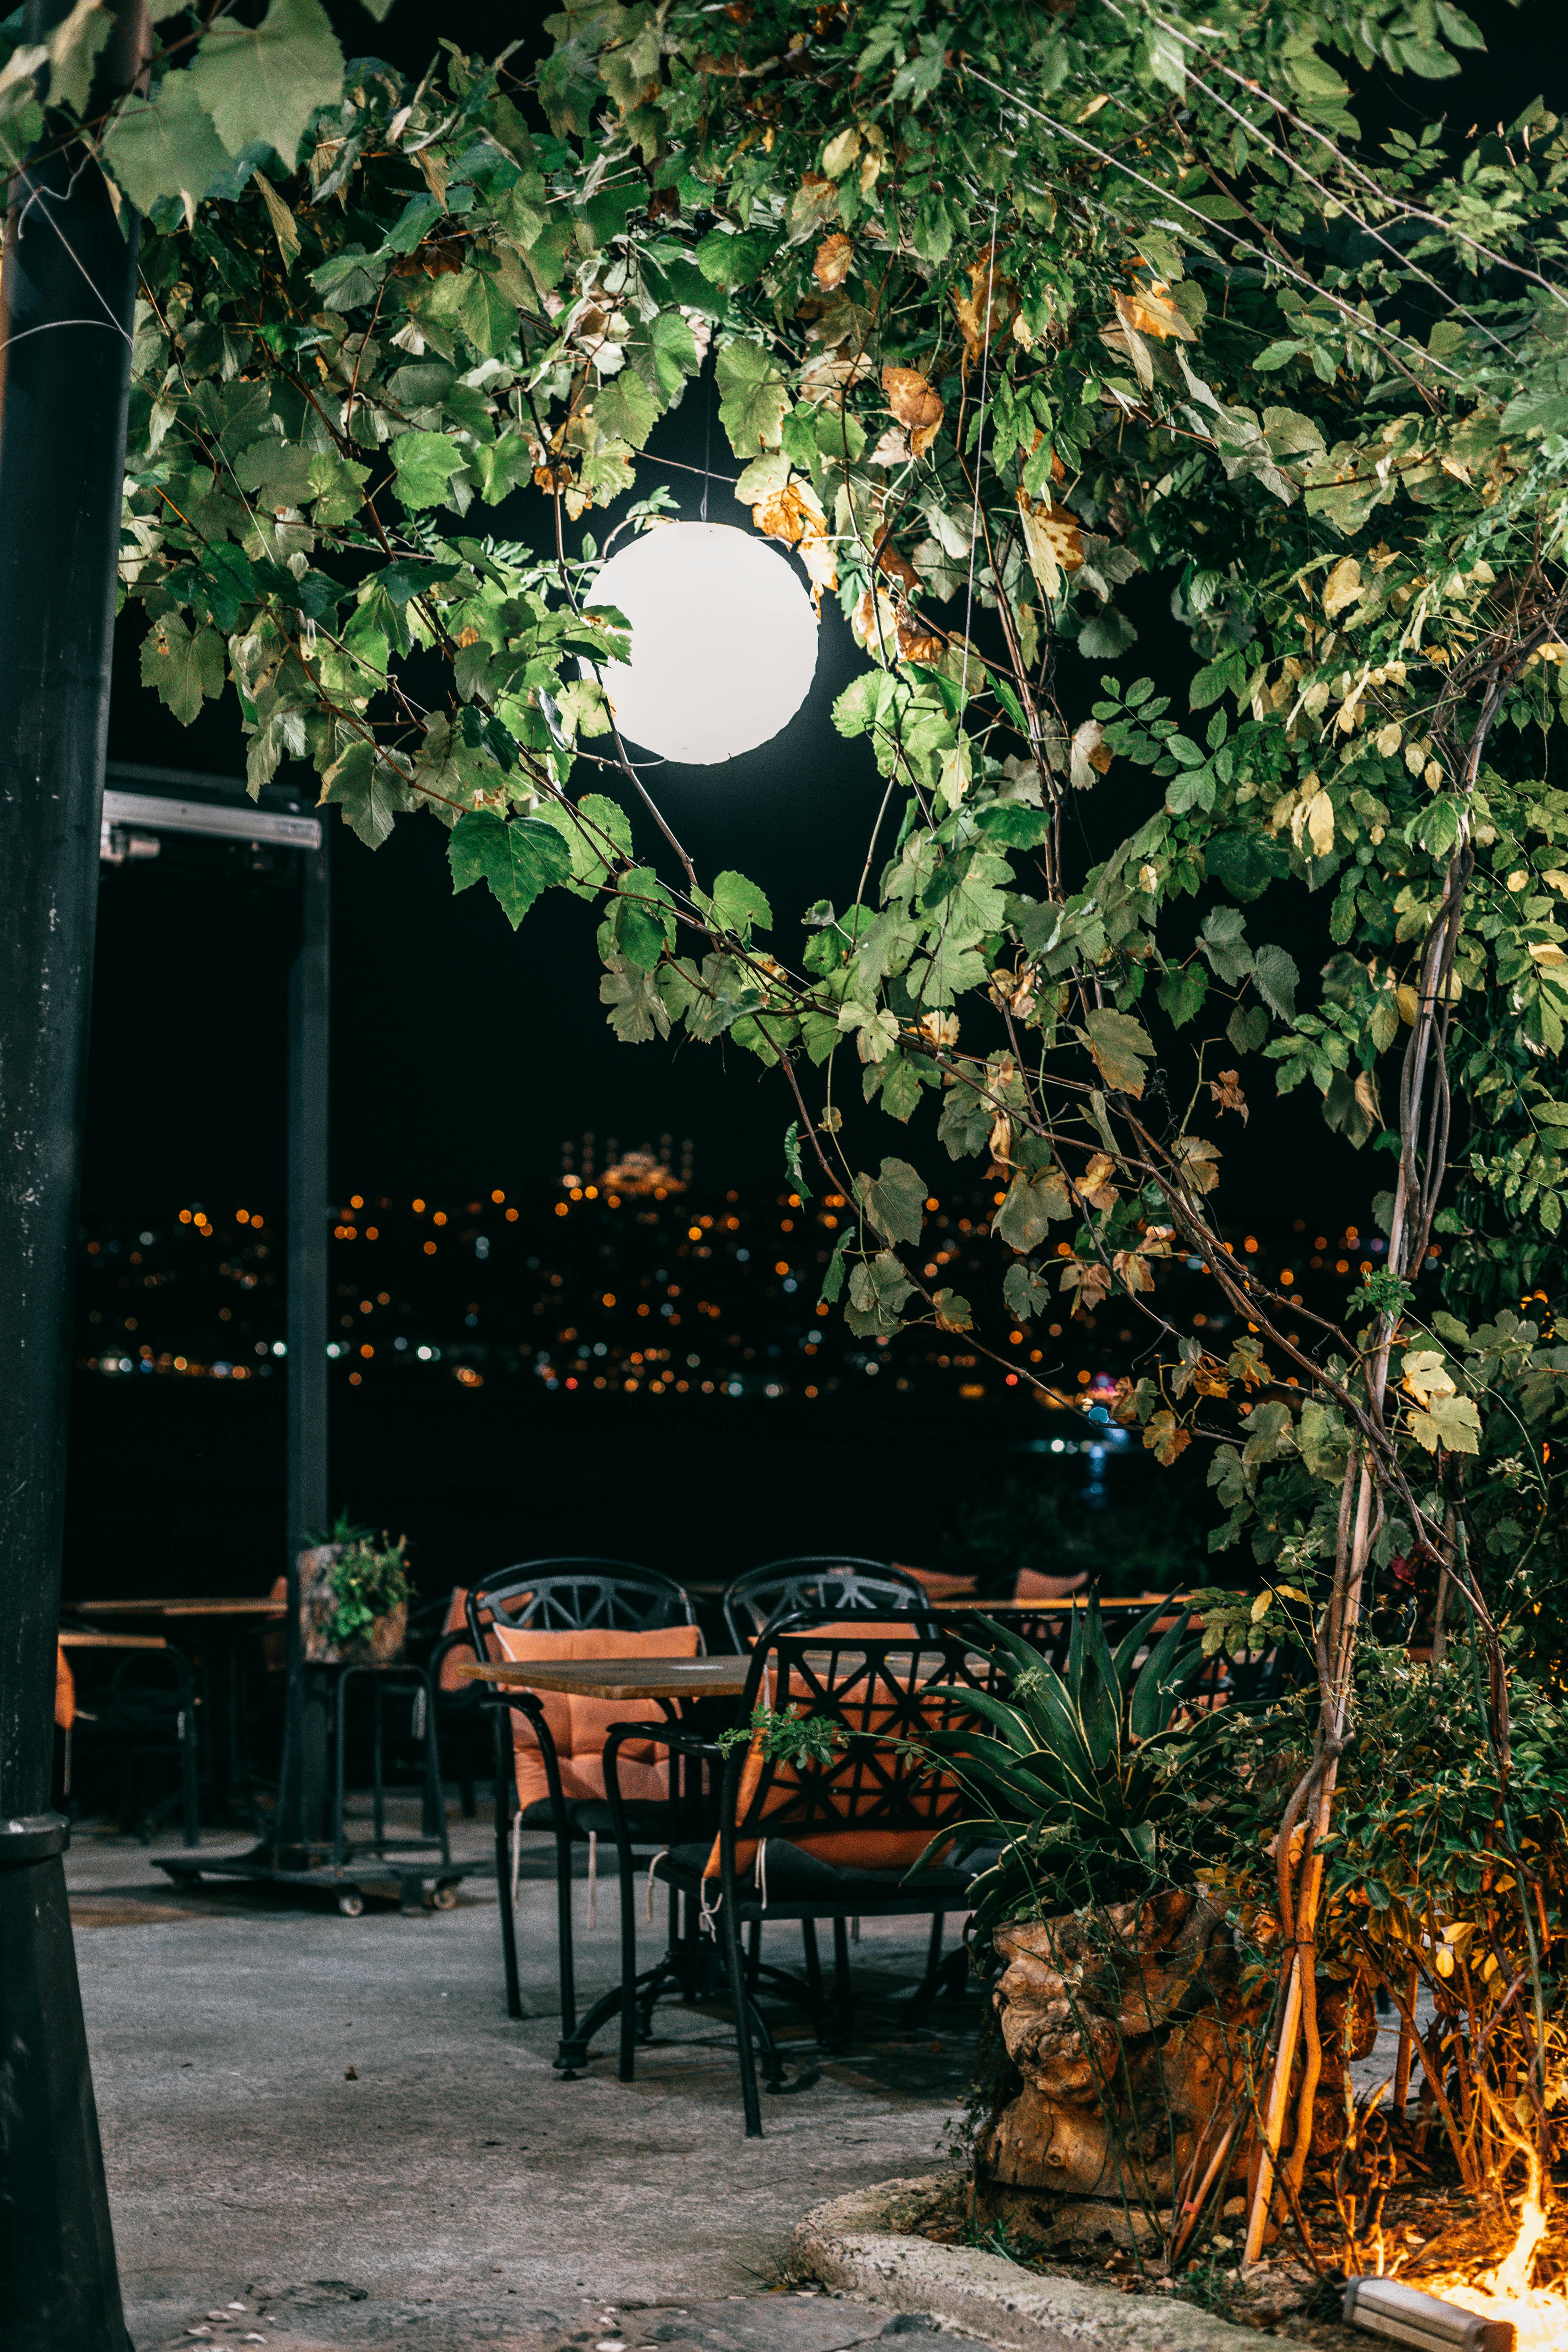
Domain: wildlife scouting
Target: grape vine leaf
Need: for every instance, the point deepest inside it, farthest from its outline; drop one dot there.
(518, 857)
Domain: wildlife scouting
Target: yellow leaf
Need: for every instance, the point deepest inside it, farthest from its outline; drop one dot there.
(831, 266)
(1409, 1004)
(1388, 739)
(1315, 817)
(1260, 1606)
(1165, 1438)
(840, 152)
(917, 408)
(1148, 310)
(1342, 585)
(1424, 1374)
(1053, 540)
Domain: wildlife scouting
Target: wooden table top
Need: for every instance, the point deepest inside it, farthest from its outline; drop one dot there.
(1068, 1601)
(112, 1642)
(722, 1677)
(246, 1605)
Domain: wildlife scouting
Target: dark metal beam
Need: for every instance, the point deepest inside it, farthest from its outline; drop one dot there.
(69, 284)
(302, 1819)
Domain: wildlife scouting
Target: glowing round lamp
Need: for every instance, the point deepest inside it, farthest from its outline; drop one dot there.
(723, 641)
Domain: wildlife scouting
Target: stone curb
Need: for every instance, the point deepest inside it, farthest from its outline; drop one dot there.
(862, 2243)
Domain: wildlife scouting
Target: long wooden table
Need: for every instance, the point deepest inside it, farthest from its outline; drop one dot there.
(661, 1678)
(219, 1622)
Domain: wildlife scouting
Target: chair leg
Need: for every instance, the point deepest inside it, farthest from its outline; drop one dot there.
(192, 1832)
(735, 1972)
(920, 1998)
(628, 1975)
(503, 1867)
(845, 1997)
(812, 1968)
(565, 1956)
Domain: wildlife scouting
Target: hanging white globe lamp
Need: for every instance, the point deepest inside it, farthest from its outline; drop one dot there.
(723, 641)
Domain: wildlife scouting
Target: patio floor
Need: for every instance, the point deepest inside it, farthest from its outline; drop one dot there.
(368, 2153)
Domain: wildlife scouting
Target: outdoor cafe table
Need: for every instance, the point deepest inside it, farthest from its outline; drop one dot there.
(219, 1624)
(688, 1684)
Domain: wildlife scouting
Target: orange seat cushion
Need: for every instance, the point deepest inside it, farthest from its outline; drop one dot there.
(578, 1726)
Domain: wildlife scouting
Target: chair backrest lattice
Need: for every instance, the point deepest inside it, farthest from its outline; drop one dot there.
(826, 1582)
(576, 1594)
(889, 1691)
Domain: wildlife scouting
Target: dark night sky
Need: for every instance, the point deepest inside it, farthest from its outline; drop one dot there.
(462, 1053)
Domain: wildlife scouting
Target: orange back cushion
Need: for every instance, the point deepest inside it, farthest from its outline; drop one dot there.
(578, 1726)
(1033, 1586)
(860, 1793)
(65, 1690)
(456, 1621)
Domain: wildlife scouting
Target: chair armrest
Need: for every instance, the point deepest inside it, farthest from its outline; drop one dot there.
(529, 1703)
(660, 1734)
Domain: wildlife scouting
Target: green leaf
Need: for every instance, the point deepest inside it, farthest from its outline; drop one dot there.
(485, 314)
(423, 463)
(833, 1280)
(878, 1289)
(624, 409)
(637, 1011)
(893, 1201)
(752, 397)
(1016, 824)
(370, 792)
(729, 261)
(1247, 1028)
(1024, 1216)
(167, 147)
(265, 83)
(182, 668)
(642, 918)
(1275, 977)
(518, 857)
(1121, 1048)
(1182, 990)
(73, 48)
(1243, 865)
(739, 903)
(1026, 1292)
(1222, 943)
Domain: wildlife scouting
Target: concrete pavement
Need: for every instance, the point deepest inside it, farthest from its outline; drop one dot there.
(326, 2131)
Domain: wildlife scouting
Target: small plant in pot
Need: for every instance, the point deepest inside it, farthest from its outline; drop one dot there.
(353, 1597)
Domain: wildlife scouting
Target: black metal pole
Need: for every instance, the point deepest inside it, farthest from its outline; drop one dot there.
(301, 1805)
(69, 279)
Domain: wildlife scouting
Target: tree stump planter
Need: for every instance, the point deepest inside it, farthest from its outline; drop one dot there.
(1126, 2028)
(380, 1645)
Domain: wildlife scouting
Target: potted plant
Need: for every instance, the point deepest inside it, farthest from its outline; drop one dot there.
(353, 1598)
(1118, 2004)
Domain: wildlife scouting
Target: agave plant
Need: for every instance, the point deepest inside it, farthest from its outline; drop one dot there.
(1076, 1786)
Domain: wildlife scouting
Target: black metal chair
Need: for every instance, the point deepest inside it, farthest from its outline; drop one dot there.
(462, 1726)
(140, 1712)
(574, 1594)
(886, 1692)
(825, 1581)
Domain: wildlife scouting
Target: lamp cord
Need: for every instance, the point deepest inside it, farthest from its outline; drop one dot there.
(978, 450)
(707, 446)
